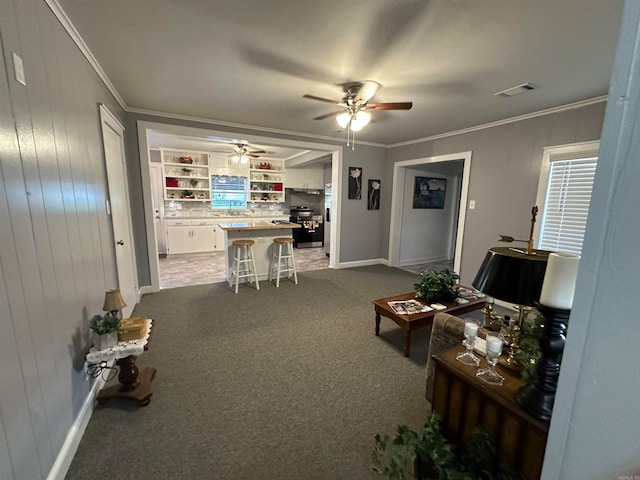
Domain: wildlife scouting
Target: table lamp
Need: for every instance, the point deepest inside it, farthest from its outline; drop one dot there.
(514, 275)
(113, 302)
(556, 299)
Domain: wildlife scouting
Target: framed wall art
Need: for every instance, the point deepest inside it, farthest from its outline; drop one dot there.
(373, 195)
(429, 192)
(355, 183)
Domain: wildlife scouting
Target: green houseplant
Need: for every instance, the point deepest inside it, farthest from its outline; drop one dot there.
(434, 285)
(426, 454)
(105, 330)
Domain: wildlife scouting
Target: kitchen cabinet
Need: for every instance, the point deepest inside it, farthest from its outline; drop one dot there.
(186, 175)
(266, 181)
(307, 177)
(191, 236)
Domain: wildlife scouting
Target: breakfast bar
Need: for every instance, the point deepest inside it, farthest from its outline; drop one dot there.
(262, 233)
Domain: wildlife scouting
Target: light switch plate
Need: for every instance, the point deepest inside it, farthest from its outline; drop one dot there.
(18, 69)
(472, 204)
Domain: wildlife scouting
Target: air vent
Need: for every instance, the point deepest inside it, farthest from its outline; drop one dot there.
(512, 92)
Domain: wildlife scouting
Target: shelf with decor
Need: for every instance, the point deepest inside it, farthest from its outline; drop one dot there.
(266, 181)
(186, 175)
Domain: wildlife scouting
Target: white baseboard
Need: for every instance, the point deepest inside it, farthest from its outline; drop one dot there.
(362, 263)
(416, 261)
(144, 290)
(70, 446)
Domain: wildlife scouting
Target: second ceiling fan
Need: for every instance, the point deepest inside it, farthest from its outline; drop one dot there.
(355, 105)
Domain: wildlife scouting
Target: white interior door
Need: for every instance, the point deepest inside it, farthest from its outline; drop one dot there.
(112, 137)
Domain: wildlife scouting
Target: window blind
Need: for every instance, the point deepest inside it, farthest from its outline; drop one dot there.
(566, 207)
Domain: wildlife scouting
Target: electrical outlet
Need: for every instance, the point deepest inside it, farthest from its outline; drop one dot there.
(472, 204)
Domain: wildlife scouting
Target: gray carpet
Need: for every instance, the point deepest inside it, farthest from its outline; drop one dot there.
(287, 383)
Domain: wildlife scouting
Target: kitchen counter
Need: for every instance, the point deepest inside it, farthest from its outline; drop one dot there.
(257, 225)
(262, 233)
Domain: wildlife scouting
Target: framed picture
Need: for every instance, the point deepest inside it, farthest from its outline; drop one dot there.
(428, 192)
(355, 183)
(373, 195)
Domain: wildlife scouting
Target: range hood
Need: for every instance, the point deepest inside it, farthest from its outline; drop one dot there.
(308, 191)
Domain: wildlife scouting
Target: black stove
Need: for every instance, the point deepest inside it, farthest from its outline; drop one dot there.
(311, 233)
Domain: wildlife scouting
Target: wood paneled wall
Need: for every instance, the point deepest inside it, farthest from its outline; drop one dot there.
(56, 245)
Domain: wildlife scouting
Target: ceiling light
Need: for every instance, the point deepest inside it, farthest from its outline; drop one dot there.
(360, 120)
(235, 158)
(343, 119)
(244, 159)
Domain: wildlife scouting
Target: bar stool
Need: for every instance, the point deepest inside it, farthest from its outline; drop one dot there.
(278, 259)
(243, 265)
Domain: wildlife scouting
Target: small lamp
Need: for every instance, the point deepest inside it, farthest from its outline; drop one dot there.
(556, 299)
(113, 302)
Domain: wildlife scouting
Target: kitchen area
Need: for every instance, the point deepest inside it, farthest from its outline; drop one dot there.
(196, 191)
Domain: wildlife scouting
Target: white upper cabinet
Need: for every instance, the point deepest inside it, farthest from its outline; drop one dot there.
(306, 177)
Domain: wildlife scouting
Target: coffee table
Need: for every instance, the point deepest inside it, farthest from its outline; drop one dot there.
(414, 321)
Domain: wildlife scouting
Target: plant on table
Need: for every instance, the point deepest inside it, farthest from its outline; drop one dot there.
(437, 285)
(107, 323)
(426, 454)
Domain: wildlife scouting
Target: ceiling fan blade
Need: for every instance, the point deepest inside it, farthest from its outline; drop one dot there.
(313, 97)
(258, 151)
(252, 155)
(366, 91)
(391, 105)
(327, 115)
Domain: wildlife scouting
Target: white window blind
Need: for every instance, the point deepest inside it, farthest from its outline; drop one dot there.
(566, 207)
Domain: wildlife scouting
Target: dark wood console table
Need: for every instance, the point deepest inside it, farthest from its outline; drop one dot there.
(412, 322)
(465, 402)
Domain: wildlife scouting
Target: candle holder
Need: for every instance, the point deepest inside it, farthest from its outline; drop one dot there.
(468, 357)
(489, 375)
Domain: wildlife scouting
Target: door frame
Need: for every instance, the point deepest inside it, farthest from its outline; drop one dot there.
(143, 146)
(109, 121)
(397, 196)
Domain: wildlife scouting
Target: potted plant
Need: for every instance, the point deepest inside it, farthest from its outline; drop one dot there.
(426, 454)
(186, 171)
(105, 330)
(434, 285)
(187, 194)
(193, 182)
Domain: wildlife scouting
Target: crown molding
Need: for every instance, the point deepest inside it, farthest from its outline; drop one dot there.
(243, 126)
(526, 116)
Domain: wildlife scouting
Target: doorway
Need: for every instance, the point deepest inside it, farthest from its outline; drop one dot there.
(307, 153)
(402, 212)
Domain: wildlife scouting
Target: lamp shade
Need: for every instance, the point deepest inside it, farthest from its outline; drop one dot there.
(113, 301)
(511, 275)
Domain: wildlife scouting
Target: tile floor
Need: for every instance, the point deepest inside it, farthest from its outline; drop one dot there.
(201, 268)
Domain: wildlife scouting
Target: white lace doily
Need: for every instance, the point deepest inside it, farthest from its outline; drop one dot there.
(122, 349)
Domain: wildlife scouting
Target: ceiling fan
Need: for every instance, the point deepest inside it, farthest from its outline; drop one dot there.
(242, 154)
(355, 103)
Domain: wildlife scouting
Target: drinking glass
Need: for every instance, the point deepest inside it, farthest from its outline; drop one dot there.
(468, 357)
(489, 375)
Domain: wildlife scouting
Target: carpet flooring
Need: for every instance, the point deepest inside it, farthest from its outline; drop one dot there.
(280, 383)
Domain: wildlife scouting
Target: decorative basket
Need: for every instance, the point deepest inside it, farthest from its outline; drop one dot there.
(135, 327)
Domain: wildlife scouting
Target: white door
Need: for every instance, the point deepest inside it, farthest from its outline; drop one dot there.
(157, 187)
(112, 138)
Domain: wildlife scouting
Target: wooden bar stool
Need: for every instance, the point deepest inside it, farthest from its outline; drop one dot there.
(279, 260)
(244, 265)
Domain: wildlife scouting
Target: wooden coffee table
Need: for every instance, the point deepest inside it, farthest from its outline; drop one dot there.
(412, 322)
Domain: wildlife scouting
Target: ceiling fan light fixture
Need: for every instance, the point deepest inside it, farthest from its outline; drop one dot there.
(360, 120)
(343, 119)
(244, 159)
(235, 158)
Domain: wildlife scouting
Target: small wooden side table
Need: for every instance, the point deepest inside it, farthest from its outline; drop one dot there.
(465, 402)
(132, 384)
